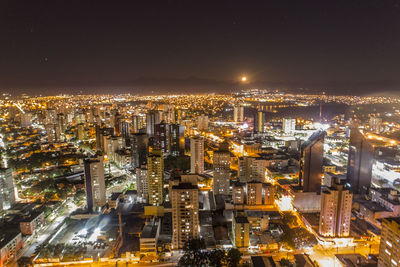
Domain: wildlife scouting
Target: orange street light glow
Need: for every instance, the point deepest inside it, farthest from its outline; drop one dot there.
(244, 78)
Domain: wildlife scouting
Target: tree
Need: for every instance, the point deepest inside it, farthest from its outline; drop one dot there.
(194, 256)
(233, 257)
(285, 263)
(216, 258)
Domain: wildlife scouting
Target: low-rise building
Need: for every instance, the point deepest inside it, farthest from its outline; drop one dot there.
(30, 224)
(10, 243)
(240, 231)
(149, 237)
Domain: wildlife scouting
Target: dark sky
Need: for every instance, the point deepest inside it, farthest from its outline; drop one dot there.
(112, 46)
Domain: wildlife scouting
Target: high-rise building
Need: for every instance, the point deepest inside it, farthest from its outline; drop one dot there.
(139, 145)
(240, 230)
(7, 193)
(238, 113)
(26, 119)
(252, 169)
(178, 116)
(50, 132)
(288, 125)
(202, 123)
(161, 137)
(117, 118)
(222, 171)
(176, 139)
(360, 160)
(99, 138)
(95, 183)
(185, 214)
(62, 123)
(389, 249)
(375, 124)
(197, 155)
(311, 161)
(336, 203)
(153, 117)
(80, 132)
(57, 133)
(50, 116)
(142, 183)
(125, 129)
(137, 123)
(155, 170)
(259, 121)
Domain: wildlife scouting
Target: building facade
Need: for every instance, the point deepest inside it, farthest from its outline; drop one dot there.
(197, 155)
(360, 161)
(185, 214)
(95, 183)
(311, 161)
(389, 249)
(222, 171)
(155, 169)
(336, 203)
(7, 193)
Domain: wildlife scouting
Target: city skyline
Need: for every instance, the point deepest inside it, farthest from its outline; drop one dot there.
(200, 133)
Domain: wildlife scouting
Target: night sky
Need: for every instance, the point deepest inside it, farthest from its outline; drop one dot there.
(53, 47)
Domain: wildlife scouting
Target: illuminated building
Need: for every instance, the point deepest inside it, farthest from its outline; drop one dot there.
(258, 193)
(240, 230)
(142, 183)
(185, 214)
(149, 237)
(50, 116)
(197, 155)
(26, 119)
(11, 243)
(155, 169)
(259, 121)
(238, 113)
(375, 124)
(61, 122)
(95, 183)
(125, 129)
(153, 117)
(360, 160)
(239, 193)
(176, 139)
(80, 132)
(139, 144)
(202, 123)
(252, 169)
(389, 249)
(7, 195)
(311, 160)
(336, 203)
(288, 125)
(137, 123)
(161, 137)
(178, 116)
(117, 123)
(222, 171)
(99, 138)
(50, 132)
